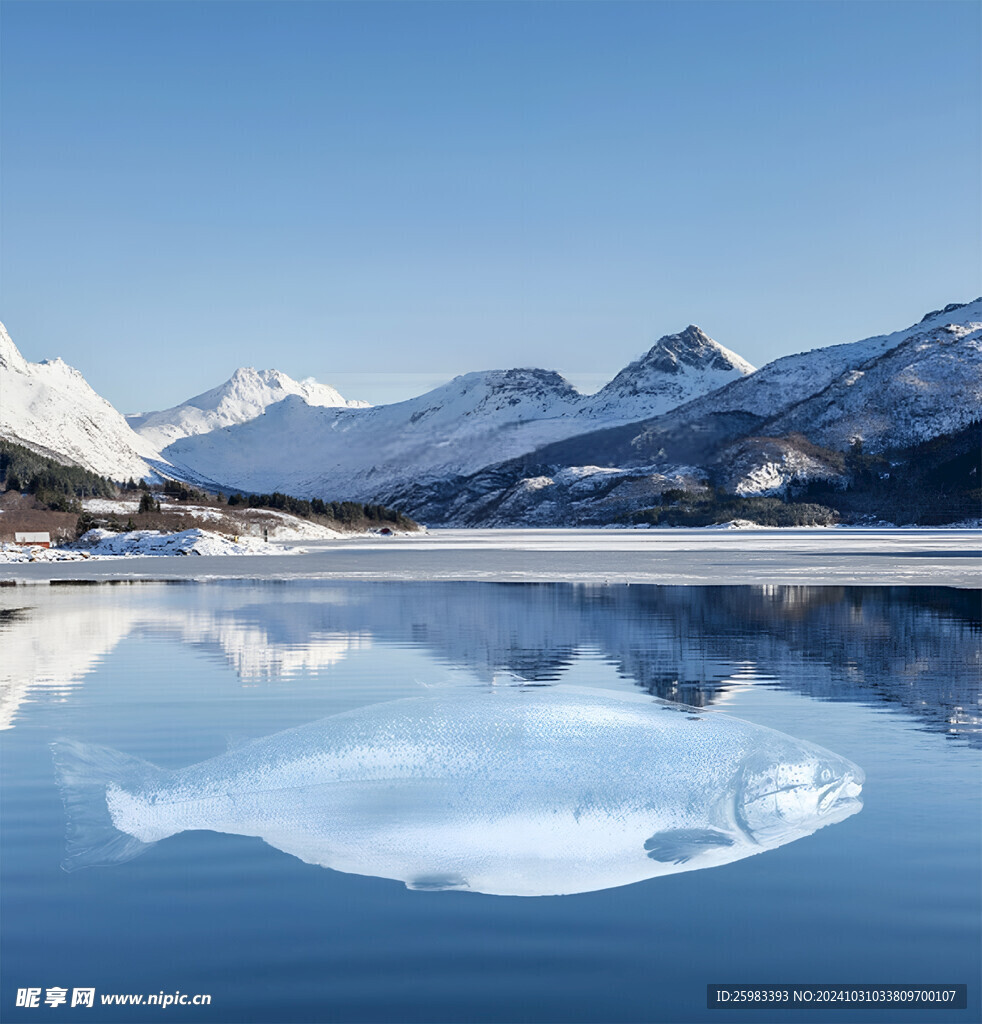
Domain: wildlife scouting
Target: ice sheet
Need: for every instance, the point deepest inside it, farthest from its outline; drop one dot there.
(835, 556)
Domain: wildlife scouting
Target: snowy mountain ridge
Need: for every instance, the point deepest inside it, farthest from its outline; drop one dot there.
(676, 412)
(256, 430)
(457, 428)
(930, 384)
(793, 378)
(244, 396)
(452, 428)
(929, 372)
(49, 406)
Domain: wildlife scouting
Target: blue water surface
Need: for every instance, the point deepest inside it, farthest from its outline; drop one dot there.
(886, 677)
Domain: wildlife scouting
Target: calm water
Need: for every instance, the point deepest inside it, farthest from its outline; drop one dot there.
(886, 678)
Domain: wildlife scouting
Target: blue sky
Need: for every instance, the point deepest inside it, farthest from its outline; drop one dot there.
(383, 195)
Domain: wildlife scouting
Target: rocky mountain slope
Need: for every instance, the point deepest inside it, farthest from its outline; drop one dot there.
(930, 384)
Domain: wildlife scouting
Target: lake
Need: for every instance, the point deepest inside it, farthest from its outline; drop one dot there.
(176, 674)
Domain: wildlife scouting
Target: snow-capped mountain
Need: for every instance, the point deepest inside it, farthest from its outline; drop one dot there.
(244, 396)
(350, 453)
(793, 380)
(752, 436)
(456, 429)
(873, 390)
(677, 368)
(48, 406)
(523, 445)
(764, 466)
(890, 391)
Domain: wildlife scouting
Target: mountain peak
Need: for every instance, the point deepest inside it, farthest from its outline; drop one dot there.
(950, 308)
(691, 348)
(524, 379)
(248, 393)
(10, 357)
(676, 369)
(50, 405)
(521, 393)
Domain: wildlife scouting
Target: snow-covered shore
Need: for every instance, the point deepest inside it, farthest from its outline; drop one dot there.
(100, 544)
(107, 544)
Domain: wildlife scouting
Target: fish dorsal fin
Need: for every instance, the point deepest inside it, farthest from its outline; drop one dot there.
(437, 883)
(680, 845)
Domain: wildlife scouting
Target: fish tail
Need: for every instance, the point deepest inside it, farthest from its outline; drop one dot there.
(85, 774)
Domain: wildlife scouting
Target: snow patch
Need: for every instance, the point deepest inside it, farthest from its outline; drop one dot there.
(19, 553)
(153, 542)
(107, 506)
(536, 483)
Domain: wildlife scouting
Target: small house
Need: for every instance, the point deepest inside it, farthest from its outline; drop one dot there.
(34, 540)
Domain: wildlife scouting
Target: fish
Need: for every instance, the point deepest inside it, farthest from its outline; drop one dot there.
(510, 792)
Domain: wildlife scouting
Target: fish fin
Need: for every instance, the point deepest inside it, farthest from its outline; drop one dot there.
(437, 883)
(681, 845)
(85, 772)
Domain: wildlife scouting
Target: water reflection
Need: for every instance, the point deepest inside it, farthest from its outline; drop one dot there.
(524, 793)
(915, 649)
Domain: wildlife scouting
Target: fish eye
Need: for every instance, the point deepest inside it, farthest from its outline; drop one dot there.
(826, 775)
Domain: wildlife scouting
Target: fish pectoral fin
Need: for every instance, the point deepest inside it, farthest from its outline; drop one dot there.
(437, 883)
(680, 845)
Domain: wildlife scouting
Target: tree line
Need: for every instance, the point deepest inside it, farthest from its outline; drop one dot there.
(929, 484)
(54, 485)
(345, 512)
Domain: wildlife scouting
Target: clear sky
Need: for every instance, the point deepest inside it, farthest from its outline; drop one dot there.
(382, 195)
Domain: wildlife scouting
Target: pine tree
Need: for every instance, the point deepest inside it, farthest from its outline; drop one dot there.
(148, 504)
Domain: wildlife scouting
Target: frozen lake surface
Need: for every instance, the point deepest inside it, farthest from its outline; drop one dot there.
(949, 557)
(369, 901)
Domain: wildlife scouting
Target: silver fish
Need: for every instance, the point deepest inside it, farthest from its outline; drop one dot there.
(511, 792)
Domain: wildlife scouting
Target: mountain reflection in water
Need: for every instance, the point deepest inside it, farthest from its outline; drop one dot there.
(915, 649)
(523, 793)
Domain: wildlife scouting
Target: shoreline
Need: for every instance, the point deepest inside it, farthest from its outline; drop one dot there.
(837, 556)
